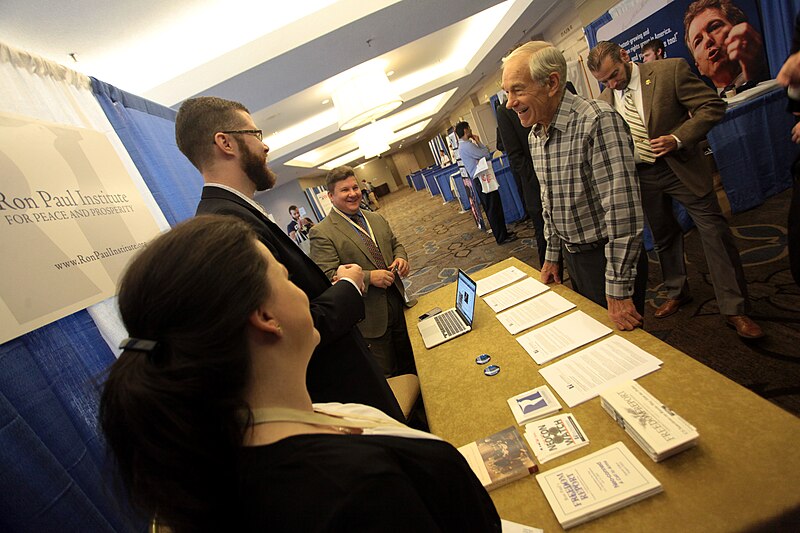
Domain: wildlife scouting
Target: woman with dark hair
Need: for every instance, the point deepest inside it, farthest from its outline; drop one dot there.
(211, 425)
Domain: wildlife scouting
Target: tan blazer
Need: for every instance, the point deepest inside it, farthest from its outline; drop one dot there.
(335, 242)
(677, 102)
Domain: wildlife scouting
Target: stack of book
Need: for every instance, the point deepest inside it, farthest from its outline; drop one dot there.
(652, 425)
(500, 458)
(597, 484)
(555, 436)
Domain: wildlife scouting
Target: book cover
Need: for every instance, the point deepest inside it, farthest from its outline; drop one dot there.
(499, 458)
(555, 436)
(654, 426)
(533, 404)
(597, 484)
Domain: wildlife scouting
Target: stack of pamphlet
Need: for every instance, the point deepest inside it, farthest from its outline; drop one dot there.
(660, 432)
(555, 436)
(533, 404)
(597, 484)
(499, 458)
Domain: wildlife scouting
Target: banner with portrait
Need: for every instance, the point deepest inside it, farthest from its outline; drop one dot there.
(631, 24)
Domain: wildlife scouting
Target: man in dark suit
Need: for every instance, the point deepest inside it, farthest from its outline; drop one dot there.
(669, 111)
(219, 137)
(351, 235)
(515, 144)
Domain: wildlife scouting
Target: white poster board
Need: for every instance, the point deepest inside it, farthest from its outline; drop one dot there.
(70, 220)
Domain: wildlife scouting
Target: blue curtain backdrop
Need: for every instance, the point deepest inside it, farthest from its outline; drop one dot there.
(778, 16)
(147, 130)
(54, 465)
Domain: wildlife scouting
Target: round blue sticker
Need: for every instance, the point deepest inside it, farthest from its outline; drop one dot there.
(482, 359)
(491, 370)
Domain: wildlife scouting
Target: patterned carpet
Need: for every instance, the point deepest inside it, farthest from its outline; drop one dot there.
(440, 240)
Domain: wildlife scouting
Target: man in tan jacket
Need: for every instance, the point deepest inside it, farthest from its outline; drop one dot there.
(669, 111)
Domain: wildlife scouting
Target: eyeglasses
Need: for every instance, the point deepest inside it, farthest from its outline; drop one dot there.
(258, 134)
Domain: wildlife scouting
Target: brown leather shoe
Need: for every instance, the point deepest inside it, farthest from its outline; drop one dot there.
(671, 306)
(744, 326)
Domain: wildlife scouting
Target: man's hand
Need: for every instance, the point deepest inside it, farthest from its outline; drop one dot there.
(744, 44)
(796, 133)
(623, 313)
(549, 273)
(663, 145)
(402, 265)
(381, 278)
(353, 272)
(790, 71)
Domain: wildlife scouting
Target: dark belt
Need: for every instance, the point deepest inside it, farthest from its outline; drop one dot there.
(584, 247)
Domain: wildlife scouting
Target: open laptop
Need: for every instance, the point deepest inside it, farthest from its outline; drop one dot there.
(455, 321)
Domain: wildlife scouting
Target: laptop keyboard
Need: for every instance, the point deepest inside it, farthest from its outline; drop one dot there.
(449, 324)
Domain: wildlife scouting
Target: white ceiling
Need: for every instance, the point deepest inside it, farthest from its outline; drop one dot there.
(283, 59)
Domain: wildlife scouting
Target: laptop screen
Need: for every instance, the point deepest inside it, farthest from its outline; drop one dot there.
(466, 290)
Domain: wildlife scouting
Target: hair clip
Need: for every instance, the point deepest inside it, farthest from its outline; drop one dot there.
(138, 345)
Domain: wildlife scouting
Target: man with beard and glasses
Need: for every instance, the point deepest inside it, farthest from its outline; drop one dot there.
(220, 139)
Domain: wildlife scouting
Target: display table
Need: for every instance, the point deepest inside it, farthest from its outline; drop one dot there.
(744, 471)
(754, 151)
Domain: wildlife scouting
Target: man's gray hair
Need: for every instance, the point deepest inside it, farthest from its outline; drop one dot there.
(543, 59)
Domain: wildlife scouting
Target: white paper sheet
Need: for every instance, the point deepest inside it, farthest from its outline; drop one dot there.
(565, 334)
(534, 312)
(500, 279)
(516, 293)
(583, 375)
(514, 527)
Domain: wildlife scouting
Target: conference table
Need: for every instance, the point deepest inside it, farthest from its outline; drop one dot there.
(744, 472)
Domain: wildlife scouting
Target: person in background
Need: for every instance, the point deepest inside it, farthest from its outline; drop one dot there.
(298, 228)
(369, 190)
(583, 157)
(207, 414)
(725, 47)
(653, 50)
(219, 137)
(472, 150)
(515, 145)
(349, 235)
(669, 111)
(445, 159)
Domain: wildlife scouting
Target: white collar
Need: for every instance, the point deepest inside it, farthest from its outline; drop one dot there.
(634, 85)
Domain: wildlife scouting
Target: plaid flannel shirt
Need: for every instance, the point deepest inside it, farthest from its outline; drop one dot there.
(590, 190)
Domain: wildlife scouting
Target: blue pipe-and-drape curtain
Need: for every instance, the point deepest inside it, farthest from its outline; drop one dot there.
(147, 130)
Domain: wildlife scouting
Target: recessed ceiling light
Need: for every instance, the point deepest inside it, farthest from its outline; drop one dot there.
(326, 101)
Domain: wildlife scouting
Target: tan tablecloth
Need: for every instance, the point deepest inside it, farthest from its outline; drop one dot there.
(745, 470)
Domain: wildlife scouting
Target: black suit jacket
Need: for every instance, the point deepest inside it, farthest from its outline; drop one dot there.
(342, 369)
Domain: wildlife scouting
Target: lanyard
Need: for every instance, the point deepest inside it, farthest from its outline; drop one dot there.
(358, 226)
(265, 415)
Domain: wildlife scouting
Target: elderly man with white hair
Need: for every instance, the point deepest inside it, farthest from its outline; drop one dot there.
(583, 155)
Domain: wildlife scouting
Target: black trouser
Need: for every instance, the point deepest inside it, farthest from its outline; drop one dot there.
(393, 349)
(793, 226)
(493, 205)
(587, 269)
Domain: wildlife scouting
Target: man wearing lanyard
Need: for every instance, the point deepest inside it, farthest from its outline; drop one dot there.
(350, 235)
